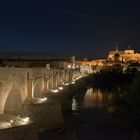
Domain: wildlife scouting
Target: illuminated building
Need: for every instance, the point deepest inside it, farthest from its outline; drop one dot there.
(128, 55)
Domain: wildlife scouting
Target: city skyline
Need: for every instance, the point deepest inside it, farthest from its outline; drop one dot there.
(82, 28)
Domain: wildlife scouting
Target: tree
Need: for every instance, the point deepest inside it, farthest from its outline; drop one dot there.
(126, 105)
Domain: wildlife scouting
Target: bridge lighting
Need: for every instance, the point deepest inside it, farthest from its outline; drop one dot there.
(43, 99)
(73, 67)
(73, 82)
(66, 84)
(69, 66)
(60, 88)
(11, 121)
(26, 119)
(38, 100)
(4, 125)
(54, 90)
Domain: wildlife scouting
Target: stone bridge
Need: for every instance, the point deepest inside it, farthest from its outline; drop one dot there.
(20, 84)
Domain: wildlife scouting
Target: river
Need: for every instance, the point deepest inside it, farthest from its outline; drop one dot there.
(90, 119)
(93, 98)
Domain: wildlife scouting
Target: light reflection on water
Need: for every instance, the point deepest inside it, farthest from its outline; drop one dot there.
(93, 98)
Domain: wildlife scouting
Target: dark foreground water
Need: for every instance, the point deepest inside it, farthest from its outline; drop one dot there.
(89, 120)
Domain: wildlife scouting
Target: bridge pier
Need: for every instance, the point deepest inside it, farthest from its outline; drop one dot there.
(29, 86)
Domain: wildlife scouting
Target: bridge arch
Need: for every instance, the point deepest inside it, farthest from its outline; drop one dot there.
(13, 102)
(37, 87)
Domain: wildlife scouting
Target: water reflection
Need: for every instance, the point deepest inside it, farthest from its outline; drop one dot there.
(74, 104)
(93, 98)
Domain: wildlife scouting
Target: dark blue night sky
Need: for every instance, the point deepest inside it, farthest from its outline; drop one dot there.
(75, 27)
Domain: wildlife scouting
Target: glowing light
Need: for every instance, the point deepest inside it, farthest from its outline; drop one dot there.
(54, 90)
(26, 119)
(63, 83)
(11, 121)
(78, 78)
(8, 121)
(4, 125)
(60, 88)
(43, 99)
(66, 84)
(38, 100)
(73, 82)
(69, 66)
(73, 67)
